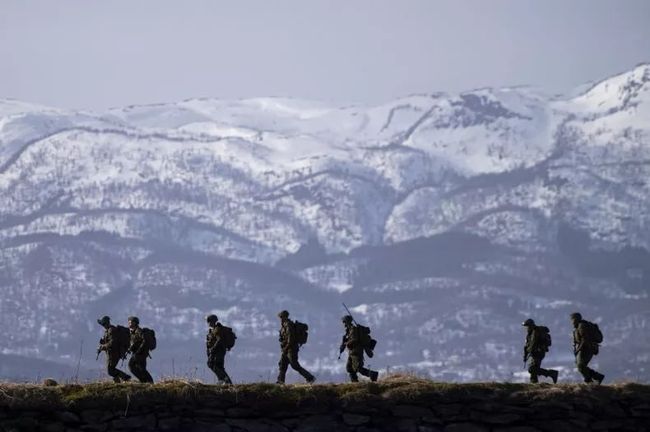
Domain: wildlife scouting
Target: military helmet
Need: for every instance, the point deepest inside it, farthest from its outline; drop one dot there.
(576, 316)
(211, 318)
(105, 320)
(528, 322)
(284, 314)
(347, 319)
(134, 319)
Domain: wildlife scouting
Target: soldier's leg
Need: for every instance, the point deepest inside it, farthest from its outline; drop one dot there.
(295, 365)
(283, 364)
(582, 361)
(113, 371)
(145, 373)
(540, 370)
(138, 367)
(349, 367)
(135, 368)
(358, 366)
(533, 368)
(220, 368)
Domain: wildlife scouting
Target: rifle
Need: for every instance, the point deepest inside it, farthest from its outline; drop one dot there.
(98, 351)
(525, 359)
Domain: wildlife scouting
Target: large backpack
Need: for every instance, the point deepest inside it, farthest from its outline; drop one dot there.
(149, 338)
(301, 332)
(122, 339)
(543, 338)
(367, 342)
(227, 335)
(592, 332)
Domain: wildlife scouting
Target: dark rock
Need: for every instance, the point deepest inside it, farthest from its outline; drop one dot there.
(605, 425)
(432, 420)
(411, 411)
(319, 423)
(291, 423)
(19, 424)
(256, 425)
(208, 427)
(448, 410)
(556, 426)
(406, 425)
(429, 429)
(52, 427)
(170, 423)
(517, 429)
(611, 410)
(97, 427)
(93, 416)
(136, 422)
(68, 417)
(240, 413)
(465, 427)
(500, 419)
(49, 382)
(209, 413)
(355, 419)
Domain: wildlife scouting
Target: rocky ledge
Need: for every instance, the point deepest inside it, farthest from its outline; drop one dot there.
(402, 404)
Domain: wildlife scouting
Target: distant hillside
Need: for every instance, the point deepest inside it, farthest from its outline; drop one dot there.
(443, 220)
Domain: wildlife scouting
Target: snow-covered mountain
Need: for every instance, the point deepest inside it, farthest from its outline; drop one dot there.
(442, 220)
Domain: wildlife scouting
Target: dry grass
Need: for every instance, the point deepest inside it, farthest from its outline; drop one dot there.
(396, 389)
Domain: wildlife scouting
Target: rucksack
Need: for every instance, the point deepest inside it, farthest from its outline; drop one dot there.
(122, 339)
(543, 338)
(592, 332)
(227, 335)
(301, 332)
(367, 342)
(149, 338)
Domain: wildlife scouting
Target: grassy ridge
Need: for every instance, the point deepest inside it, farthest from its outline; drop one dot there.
(396, 390)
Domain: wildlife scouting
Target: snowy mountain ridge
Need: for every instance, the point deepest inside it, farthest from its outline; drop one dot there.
(244, 207)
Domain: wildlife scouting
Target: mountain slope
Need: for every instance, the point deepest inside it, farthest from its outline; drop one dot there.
(443, 220)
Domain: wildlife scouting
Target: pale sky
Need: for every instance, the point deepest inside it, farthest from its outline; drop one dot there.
(97, 54)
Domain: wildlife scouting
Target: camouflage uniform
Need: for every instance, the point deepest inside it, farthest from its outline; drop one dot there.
(216, 351)
(109, 344)
(534, 352)
(351, 341)
(139, 353)
(584, 350)
(289, 352)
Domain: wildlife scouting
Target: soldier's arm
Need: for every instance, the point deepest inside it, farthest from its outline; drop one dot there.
(579, 337)
(290, 334)
(344, 341)
(534, 339)
(137, 341)
(105, 341)
(101, 346)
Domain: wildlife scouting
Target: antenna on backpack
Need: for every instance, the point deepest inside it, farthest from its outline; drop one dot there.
(350, 313)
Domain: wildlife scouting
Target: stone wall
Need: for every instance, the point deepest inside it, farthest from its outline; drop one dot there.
(392, 406)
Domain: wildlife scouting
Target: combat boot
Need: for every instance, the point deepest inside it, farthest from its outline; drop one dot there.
(374, 375)
(599, 377)
(553, 373)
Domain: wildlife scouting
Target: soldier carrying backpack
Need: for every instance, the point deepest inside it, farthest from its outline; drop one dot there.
(292, 336)
(143, 340)
(357, 340)
(538, 341)
(115, 343)
(219, 340)
(586, 340)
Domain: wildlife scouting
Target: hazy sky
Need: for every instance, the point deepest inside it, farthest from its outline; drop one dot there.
(96, 54)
